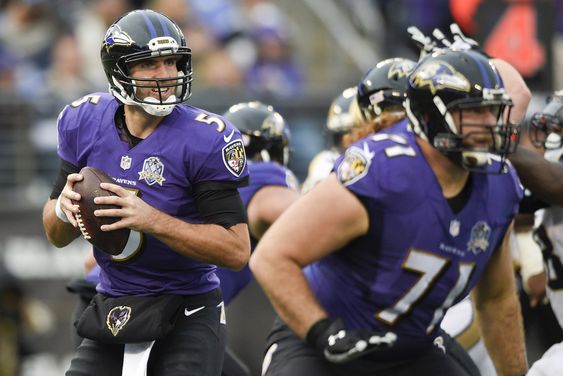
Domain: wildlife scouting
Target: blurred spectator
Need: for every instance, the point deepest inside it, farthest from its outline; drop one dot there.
(177, 10)
(223, 18)
(275, 71)
(7, 71)
(217, 69)
(89, 29)
(65, 79)
(217, 31)
(27, 30)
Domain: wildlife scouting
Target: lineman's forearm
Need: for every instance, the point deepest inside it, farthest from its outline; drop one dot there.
(288, 290)
(540, 176)
(503, 333)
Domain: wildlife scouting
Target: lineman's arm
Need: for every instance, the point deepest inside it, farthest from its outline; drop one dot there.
(498, 311)
(266, 206)
(317, 224)
(541, 177)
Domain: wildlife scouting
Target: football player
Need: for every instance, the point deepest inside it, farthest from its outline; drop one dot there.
(546, 127)
(273, 187)
(358, 111)
(343, 115)
(177, 168)
(415, 217)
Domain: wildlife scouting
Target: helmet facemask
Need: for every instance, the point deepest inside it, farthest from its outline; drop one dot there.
(546, 126)
(456, 101)
(472, 145)
(125, 86)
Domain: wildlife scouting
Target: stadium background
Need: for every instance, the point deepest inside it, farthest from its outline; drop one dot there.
(295, 55)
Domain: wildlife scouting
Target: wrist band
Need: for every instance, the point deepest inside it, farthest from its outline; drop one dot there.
(316, 330)
(59, 212)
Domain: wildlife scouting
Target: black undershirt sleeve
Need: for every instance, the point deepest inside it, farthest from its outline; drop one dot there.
(65, 169)
(220, 203)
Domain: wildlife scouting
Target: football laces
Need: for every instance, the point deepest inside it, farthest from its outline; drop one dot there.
(82, 227)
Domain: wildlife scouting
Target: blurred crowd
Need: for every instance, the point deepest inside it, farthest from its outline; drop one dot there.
(46, 45)
(49, 57)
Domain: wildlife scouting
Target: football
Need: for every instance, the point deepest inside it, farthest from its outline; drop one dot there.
(112, 242)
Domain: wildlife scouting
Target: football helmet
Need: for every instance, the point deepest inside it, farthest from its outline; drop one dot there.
(451, 83)
(342, 115)
(264, 131)
(383, 86)
(340, 118)
(546, 126)
(141, 35)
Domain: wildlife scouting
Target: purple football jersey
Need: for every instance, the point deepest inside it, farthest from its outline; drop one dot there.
(262, 174)
(190, 146)
(418, 257)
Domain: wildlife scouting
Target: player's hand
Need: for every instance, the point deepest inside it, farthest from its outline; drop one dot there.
(64, 203)
(134, 213)
(340, 345)
(424, 42)
(438, 40)
(536, 288)
(461, 41)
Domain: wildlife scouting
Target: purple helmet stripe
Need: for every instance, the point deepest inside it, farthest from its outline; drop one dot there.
(486, 79)
(165, 30)
(152, 31)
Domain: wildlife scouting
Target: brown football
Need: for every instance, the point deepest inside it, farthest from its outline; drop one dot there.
(112, 242)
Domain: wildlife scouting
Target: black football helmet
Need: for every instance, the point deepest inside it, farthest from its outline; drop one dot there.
(142, 35)
(264, 131)
(383, 86)
(450, 81)
(546, 126)
(340, 118)
(342, 115)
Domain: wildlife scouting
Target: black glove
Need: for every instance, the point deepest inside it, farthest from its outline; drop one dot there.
(340, 345)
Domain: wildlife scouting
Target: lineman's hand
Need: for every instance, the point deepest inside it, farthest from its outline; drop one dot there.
(536, 288)
(340, 345)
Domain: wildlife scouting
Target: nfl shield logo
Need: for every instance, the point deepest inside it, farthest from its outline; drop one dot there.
(454, 228)
(125, 162)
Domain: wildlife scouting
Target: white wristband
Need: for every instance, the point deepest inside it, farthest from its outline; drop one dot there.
(59, 212)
